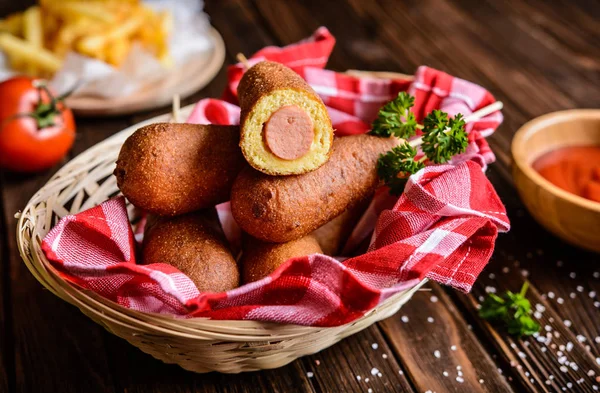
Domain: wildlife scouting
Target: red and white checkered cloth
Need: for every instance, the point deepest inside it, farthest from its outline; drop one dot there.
(437, 229)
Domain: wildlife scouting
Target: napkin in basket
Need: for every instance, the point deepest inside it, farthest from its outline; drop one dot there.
(434, 230)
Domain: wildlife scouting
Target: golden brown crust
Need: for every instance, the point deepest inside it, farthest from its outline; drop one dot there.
(195, 244)
(262, 79)
(333, 235)
(266, 77)
(259, 259)
(284, 208)
(170, 169)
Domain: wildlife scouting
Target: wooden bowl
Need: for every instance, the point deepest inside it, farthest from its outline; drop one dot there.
(568, 216)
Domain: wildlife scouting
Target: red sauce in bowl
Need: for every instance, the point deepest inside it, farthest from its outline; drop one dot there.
(575, 169)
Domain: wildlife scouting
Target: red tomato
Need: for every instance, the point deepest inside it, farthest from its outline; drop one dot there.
(36, 131)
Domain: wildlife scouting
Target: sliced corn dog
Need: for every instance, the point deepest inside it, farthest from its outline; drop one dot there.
(283, 208)
(285, 128)
(195, 244)
(259, 259)
(170, 169)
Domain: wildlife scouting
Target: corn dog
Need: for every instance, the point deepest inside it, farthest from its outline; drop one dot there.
(170, 169)
(333, 235)
(285, 128)
(280, 209)
(195, 244)
(259, 259)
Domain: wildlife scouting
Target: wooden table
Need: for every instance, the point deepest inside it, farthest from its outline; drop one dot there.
(536, 56)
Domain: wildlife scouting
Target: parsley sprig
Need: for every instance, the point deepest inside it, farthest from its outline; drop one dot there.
(396, 119)
(442, 138)
(511, 309)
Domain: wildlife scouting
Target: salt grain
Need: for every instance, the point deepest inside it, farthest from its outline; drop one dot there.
(551, 295)
(569, 385)
(544, 349)
(572, 295)
(384, 356)
(379, 375)
(374, 371)
(445, 373)
(505, 269)
(481, 381)
(596, 274)
(537, 315)
(370, 390)
(309, 374)
(358, 378)
(564, 369)
(597, 304)
(522, 355)
(430, 320)
(591, 373)
(437, 354)
(572, 274)
(560, 300)
(598, 360)
(592, 294)
(404, 318)
(366, 379)
(453, 347)
(459, 368)
(525, 273)
(317, 362)
(460, 379)
(489, 289)
(569, 346)
(548, 382)
(581, 338)
(433, 299)
(540, 307)
(374, 345)
(579, 288)
(400, 372)
(492, 276)
(567, 323)
(597, 339)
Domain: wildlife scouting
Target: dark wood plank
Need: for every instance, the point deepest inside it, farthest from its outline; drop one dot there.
(55, 345)
(358, 363)
(6, 340)
(440, 351)
(139, 372)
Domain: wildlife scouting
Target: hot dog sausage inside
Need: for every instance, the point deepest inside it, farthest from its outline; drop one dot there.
(289, 132)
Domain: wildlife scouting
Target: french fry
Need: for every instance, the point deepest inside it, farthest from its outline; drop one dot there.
(32, 32)
(118, 51)
(92, 44)
(12, 24)
(36, 40)
(77, 9)
(42, 58)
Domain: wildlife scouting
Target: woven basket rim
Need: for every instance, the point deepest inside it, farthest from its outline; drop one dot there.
(29, 244)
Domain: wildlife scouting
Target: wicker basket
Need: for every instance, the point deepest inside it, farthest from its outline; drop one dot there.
(199, 344)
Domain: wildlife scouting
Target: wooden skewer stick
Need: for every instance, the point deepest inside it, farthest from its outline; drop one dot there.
(496, 106)
(175, 110)
(242, 59)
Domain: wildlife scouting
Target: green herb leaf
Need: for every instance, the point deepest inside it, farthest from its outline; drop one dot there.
(511, 309)
(442, 137)
(396, 119)
(394, 166)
